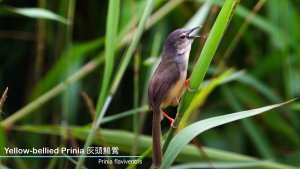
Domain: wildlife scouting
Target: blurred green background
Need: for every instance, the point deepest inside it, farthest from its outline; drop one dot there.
(52, 59)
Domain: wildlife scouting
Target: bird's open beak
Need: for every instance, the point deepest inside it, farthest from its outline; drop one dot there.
(193, 36)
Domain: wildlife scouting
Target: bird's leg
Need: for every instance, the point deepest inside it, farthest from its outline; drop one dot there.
(185, 84)
(169, 118)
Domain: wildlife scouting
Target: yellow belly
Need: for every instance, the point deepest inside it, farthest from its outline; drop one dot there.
(174, 93)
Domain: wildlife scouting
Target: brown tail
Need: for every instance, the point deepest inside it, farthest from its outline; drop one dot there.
(156, 138)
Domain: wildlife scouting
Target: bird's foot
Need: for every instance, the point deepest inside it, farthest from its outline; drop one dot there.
(187, 85)
(170, 119)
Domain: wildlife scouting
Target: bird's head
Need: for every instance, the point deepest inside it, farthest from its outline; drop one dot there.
(180, 39)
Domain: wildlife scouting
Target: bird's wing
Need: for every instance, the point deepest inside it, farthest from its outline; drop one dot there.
(165, 76)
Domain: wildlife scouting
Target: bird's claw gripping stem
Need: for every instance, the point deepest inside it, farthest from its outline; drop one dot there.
(187, 85)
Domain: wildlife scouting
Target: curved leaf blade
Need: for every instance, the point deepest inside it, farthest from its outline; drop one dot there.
(188, 133)
(38, 13)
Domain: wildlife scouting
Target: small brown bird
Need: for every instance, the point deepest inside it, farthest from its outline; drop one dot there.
(166, 84)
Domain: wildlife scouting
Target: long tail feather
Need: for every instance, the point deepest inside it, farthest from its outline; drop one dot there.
(156, 139)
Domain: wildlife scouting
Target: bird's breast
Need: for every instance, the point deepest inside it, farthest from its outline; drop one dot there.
(175, 91)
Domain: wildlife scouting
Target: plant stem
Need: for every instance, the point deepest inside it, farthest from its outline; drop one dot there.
(203, 63)
(136, 116)
(109, 51)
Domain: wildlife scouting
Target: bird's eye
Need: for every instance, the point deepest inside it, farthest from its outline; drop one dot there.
(182, 36)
